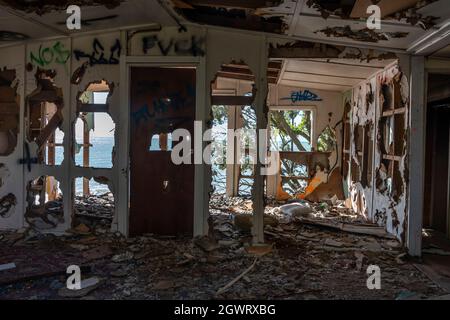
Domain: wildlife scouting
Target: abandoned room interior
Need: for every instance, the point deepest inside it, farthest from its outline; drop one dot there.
(356, 124)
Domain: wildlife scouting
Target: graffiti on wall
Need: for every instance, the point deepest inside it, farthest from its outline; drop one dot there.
(306, 95)
(99, 54)
(45, 56)
(193, 46)
(160, 105)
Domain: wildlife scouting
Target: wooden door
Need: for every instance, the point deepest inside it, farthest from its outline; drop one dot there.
(162, 99)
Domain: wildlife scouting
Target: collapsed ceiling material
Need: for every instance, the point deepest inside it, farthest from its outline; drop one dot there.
(231, 13)
(333, 7)
(390, 10)
(41, 7)
(240, 71)
(366, 34)
(302, 49)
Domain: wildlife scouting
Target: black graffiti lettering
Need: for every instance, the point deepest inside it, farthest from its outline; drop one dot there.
(98, 53)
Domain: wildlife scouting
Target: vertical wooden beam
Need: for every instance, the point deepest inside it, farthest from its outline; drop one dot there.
(261, 123)
(51, 150)
(86, 146)
(416, 155)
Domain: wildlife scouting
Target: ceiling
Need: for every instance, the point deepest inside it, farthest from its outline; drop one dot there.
(328, 74)
(338, 21)
(35, 20)
(303, 19)
(405, 24)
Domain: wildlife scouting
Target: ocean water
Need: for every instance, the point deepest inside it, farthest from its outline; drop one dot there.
(100, 157)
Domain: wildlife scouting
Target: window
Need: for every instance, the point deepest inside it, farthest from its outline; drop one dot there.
(161, 142)
(291, 132)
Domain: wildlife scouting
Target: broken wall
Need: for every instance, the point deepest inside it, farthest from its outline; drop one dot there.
(87, 70)
(11, 172)
(54, 62)
(374, 193)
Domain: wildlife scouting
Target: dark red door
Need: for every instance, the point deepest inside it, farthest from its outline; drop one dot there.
(161, 193)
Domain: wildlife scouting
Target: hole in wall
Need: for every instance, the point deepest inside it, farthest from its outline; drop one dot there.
(94, 127)
(44, 203)
(9, 111)
(44, 118)
(93, 203)
(4, 174)
(7, 205)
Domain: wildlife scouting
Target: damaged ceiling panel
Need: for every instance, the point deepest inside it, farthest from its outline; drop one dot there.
(231, 13)
(240, 71)
(47, 18)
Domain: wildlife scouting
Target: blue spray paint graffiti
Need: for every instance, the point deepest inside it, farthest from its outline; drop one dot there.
(306, 95)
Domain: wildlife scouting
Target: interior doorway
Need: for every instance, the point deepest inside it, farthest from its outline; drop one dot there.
(162, 99)
(436, 196)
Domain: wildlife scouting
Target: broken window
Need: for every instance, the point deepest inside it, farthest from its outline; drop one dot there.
(93, 204)
(290, 131)
(294, 176)
(392, 138)
(94, 128)
(44, 117)
(45, 203)
(9, 111)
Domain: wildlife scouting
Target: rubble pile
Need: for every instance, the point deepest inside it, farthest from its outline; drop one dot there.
(47, 216)
(298, 261)
(94, 212)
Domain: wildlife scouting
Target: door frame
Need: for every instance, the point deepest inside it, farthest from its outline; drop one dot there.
(123, 171)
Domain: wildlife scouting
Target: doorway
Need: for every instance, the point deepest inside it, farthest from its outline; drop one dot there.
(162, 99)
(436, 195)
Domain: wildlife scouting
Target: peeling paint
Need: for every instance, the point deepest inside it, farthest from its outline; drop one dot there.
(366, 34)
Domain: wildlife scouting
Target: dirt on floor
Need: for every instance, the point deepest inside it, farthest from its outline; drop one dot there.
(300, 260)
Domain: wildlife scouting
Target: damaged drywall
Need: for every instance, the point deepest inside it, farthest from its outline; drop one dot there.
(93, 109)
(44, 203)
(44, 111)
(86, 79)
(7, 205)
(94, 211)
(9, 111)
(377, 184)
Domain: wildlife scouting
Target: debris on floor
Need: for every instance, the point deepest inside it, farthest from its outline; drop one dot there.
(298, 260)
